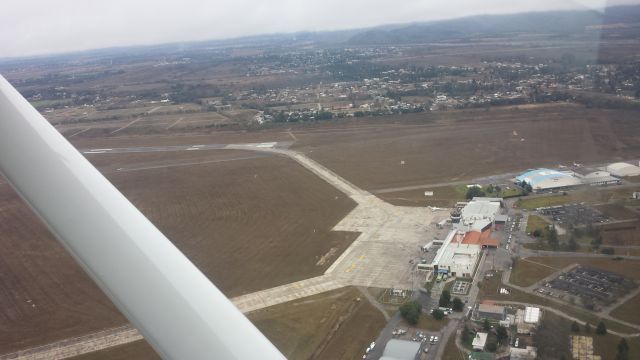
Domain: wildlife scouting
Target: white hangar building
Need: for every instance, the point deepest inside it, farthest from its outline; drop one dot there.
(623, 169)
(546, 179)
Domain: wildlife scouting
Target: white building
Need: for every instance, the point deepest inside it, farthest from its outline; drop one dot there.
(479, 341)
(527, 320)
(546, 179)
(531, 315)
(455, 258)
(478, 214)
(401, 350)
(529, 353)
(598, 178)
(623, 169)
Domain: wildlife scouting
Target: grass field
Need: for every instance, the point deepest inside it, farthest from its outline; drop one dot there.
(451, 351)
(533, 203)
(443, 196)
(335, 325)
(301, 328)
(427, 322)
(626, 268)
(535, 222)
(247, 224)
(527, 273)
(628, 311)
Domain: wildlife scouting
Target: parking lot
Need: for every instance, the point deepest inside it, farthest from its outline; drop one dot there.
(575, 214)
(428, 340)
(511, 229)
(589, 285)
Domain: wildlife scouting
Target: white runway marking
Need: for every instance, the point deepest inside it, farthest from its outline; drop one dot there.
(175, 123)
(126, 126)
(79, 132)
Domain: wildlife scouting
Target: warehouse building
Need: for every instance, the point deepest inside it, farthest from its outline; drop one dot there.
(547, 179)
(527, 320)
(477, 215)
(623, 169)
(598, 178)
(479, 341)
(490, 311)
(401, 350)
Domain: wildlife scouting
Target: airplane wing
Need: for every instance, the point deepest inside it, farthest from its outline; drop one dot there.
(177, 309)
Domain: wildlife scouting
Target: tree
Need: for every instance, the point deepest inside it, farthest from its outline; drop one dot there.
(601, 329)
(623, 350)
(491, 346)
(552, 238)
(473, 192)
(410, 311)
(437, 314)
(502, 334)
(465, 333)
(597, 241)
(490, 189)
(486, 325)
(575, 327)
(497, 189)
(457, 304)
(445, 299)
(608, 251)
(587, 328)
(573, 245)
(536, 233)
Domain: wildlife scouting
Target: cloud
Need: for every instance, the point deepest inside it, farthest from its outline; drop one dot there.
(29, 27)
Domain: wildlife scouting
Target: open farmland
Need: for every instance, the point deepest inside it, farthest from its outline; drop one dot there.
(461, 145)
(249, 222)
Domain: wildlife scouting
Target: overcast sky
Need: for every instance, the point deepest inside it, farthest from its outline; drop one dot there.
(29, 27)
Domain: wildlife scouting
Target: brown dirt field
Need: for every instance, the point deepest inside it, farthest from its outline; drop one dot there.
(466, 144)
(44, 295)
(299, 328)
(137, 350)
(264, 223)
